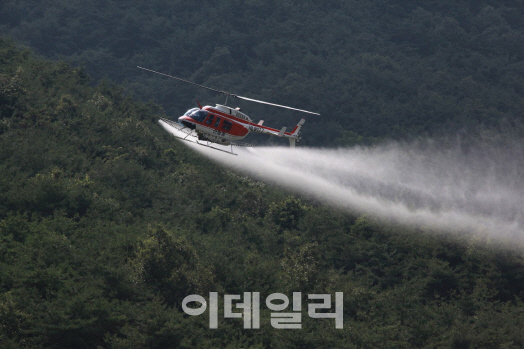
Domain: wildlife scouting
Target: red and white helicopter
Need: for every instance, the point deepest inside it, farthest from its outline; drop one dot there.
(224, 125)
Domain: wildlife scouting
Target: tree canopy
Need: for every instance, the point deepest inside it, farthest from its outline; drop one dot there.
(107, 223)
(373, 69)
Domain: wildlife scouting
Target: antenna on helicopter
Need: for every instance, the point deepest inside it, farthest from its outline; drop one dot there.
(229, 94)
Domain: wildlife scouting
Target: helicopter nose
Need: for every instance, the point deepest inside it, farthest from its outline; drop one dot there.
(184, 122)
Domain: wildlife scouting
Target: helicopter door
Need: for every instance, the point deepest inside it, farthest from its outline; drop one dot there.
(217, 122)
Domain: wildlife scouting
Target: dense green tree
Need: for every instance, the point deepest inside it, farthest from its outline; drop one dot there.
(106, 222)
(375, 69)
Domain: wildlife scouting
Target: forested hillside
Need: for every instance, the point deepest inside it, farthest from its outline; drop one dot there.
(107, 223)
(374, 69)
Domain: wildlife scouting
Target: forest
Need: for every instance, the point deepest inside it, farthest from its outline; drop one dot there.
(107, 223)
(374, 69)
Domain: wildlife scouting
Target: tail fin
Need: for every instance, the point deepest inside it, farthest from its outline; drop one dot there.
(295, 134)
(296, 130)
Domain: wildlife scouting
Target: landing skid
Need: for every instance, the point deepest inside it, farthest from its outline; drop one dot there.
(189, 133)
(206, 145)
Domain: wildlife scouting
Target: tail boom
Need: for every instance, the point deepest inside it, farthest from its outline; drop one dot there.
(294, 135)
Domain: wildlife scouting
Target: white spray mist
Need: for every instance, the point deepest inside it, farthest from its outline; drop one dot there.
(479, 193)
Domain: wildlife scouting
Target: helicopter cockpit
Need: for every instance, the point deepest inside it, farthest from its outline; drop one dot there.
(196, 114)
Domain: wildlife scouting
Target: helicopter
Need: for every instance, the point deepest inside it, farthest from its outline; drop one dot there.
(224, 125)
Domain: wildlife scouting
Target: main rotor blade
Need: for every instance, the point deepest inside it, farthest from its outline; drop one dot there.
(189, 82)
(275, 105)
(227, 93)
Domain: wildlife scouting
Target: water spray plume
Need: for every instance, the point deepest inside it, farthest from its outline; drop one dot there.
(416, 185)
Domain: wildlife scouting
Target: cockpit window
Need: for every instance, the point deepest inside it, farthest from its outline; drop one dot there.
(190, 111)
(198, 115)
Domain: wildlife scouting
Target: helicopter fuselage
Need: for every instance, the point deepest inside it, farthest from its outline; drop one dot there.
(223, 125)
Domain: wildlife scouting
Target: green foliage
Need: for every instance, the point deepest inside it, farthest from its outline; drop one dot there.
(300, 267)
(107, 223)
(170, 265)
(374, 69)
(286, 214)
(11, 319)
